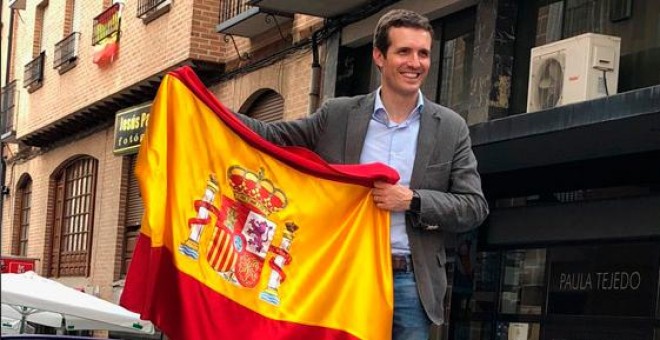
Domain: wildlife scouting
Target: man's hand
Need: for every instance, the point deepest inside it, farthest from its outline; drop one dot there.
(392, 197)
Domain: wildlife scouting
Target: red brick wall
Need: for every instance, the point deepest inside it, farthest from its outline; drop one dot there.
(289, 77)
(187, 31)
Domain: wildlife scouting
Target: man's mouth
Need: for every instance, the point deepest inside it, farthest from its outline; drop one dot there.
(411, 75)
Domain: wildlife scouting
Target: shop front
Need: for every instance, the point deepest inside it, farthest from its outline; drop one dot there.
(561, 292)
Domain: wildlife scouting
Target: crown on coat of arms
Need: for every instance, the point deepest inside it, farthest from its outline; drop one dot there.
(256, 190)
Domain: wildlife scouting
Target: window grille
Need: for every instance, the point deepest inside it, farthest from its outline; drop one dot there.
(66, 50)
(7, 108)
(148, 6)
(34, 71)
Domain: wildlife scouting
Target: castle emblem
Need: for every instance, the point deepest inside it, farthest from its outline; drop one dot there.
(242, 236)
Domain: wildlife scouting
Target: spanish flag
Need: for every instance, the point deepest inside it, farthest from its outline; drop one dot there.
(243, 239)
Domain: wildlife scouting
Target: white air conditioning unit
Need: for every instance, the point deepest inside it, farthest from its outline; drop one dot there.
(572, 70)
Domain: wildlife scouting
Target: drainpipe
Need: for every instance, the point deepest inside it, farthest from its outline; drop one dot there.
(3, 162)
(315, 86)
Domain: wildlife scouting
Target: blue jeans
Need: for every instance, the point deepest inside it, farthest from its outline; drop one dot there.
(410, 320)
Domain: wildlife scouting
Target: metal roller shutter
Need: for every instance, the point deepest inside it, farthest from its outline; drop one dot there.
(269, 107)
(134, 207)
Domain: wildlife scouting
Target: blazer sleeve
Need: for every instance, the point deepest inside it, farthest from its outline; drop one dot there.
(303, 132)
(463, 206)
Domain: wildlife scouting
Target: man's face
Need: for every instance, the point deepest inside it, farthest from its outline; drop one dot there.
(405, 64)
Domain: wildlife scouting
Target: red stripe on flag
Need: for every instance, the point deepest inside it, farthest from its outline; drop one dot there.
(177, 308)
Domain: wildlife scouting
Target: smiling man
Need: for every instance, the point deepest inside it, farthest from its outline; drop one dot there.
(439, 190)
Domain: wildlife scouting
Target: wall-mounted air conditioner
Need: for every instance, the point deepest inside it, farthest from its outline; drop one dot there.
(571, 70)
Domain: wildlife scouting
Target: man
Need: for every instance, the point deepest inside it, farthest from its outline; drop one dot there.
(429, 145)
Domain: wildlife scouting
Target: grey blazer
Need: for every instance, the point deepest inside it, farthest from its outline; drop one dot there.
(444, 174)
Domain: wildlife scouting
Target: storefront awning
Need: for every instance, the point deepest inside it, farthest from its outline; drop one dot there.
(620, 124)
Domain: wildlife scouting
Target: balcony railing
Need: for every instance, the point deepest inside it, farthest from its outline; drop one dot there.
(238, 17)
(7, 109)
(66, 51)
(147, 7)
(106, 24)
(232, 8)
(34, 71)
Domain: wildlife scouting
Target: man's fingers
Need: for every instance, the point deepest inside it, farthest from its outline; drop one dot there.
(381, 184)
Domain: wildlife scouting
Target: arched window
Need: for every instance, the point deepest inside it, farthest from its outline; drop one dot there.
(23, 202)
(265, 104)
(72, 219)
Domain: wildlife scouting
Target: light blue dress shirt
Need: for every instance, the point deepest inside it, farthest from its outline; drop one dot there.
(395, 145)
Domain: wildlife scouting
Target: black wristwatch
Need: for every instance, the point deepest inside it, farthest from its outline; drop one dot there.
(415, 203)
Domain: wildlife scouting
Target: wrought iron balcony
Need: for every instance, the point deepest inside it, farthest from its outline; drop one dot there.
(33, 75)
(237, 17)
(106, 24)
(66, 52)
(8, 102)
(149, 10)
(319, 8)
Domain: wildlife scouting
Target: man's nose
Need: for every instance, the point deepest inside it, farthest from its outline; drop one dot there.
(414, 60)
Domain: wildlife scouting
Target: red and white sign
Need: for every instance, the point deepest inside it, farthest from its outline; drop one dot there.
(16, 264)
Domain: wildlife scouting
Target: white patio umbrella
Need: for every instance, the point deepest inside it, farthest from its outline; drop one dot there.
(30, 297)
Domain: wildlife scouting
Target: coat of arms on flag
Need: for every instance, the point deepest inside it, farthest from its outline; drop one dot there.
(242, 234)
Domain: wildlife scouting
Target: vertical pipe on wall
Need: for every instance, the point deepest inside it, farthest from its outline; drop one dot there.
(3, 160)
(315, 86)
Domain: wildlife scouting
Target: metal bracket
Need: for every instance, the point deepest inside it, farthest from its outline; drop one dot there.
(271, 17)
(242, 57)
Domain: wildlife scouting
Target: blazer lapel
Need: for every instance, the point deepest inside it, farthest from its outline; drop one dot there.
(428, 129)
(356, 129)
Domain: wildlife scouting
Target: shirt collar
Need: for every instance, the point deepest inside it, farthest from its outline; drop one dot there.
(380, 114)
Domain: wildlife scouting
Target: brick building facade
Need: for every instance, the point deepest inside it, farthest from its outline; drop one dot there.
(68, 114)
(69, 200)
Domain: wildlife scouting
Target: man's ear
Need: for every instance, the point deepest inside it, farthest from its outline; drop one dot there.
(379, 57)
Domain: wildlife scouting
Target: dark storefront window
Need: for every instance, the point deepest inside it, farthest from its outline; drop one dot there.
(472, 330)
(571, 292)
(457, 32)
(518, 331)
(474, 295)
(354, 70)
(584, 16)
(523, 282)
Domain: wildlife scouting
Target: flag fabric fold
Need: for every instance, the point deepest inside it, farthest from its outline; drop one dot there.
(245, 239)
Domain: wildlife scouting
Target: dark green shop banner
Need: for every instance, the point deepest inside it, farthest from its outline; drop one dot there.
(130, 125)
